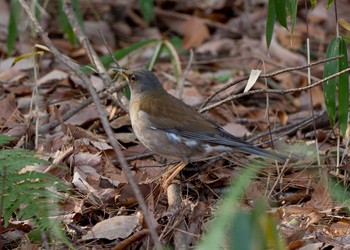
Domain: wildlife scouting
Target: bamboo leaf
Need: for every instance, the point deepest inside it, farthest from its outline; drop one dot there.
(330, 86)
(270, 21)
(280, 9)
(292, 8)
(15, 7)
(343, 88)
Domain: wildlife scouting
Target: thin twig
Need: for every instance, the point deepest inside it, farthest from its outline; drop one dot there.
(273, 91)
(133, 238)
(74, 110)
(184, 75)
(105, 77)
(267, 76)
(288, 128)
(309, 81)
(88, 85)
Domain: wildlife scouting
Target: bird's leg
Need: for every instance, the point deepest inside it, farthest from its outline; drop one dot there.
(173, 173)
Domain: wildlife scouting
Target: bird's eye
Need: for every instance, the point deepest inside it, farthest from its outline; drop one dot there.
(132, 78)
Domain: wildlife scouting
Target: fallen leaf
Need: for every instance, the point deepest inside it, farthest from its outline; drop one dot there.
(194, 32)
(55, 75)
(118, 227)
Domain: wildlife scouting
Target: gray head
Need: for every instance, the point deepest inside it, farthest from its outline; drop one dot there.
(142, 80)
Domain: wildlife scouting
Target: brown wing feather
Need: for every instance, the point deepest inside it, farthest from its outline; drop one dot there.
(175, 114)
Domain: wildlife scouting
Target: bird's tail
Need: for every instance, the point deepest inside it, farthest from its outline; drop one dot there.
(267, 153)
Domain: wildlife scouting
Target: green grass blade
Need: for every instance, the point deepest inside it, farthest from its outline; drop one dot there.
(280, 9)
(119, 54)
(175, 60)
(147, 9)
(343, 88)
(241, 233)
(65, 25)
(15, 8)
(228, 209)
(329, 4)
(330, 86)
(270, 21)
(156, 55)
(78, 15)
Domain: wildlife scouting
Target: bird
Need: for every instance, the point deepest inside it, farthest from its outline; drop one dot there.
(172, 129)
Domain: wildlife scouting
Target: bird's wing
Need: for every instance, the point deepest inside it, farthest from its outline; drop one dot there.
(166, 112)
(179, 119)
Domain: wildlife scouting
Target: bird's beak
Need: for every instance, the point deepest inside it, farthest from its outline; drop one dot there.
(121, 72)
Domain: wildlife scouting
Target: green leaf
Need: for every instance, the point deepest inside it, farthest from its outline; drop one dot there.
(175, 60)
(177, 42)
(347, 39)
(280, 9)
(241, 233)
(15, 8)
(30, 195)
(329, 4)
(78, 15)
(313, 3)
(292, 9)
(270, 21)
(119, 54)
(65, 25)
(147, 9)
(5, 139)
(26, 55)
(330, 86)
(156, 55)
(343, 88)
(216, 235)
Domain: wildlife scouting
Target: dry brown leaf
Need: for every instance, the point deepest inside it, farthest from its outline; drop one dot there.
(118, 227)
(54, 75)
(8, 110)
(195, 32)
(190, 96)
(216, 177)
(283, 117)
(125, 137)
(321, 198)
(236, 129)
(216, 47)
(86, 115)
(135, 150)
(121, 121)
(285, 56)
(313, 218)
(313, 246)
(127, 196)
(341, 227)
(97, 83)
(11, 75)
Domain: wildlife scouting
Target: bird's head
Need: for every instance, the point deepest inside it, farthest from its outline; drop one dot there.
(141, 81)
